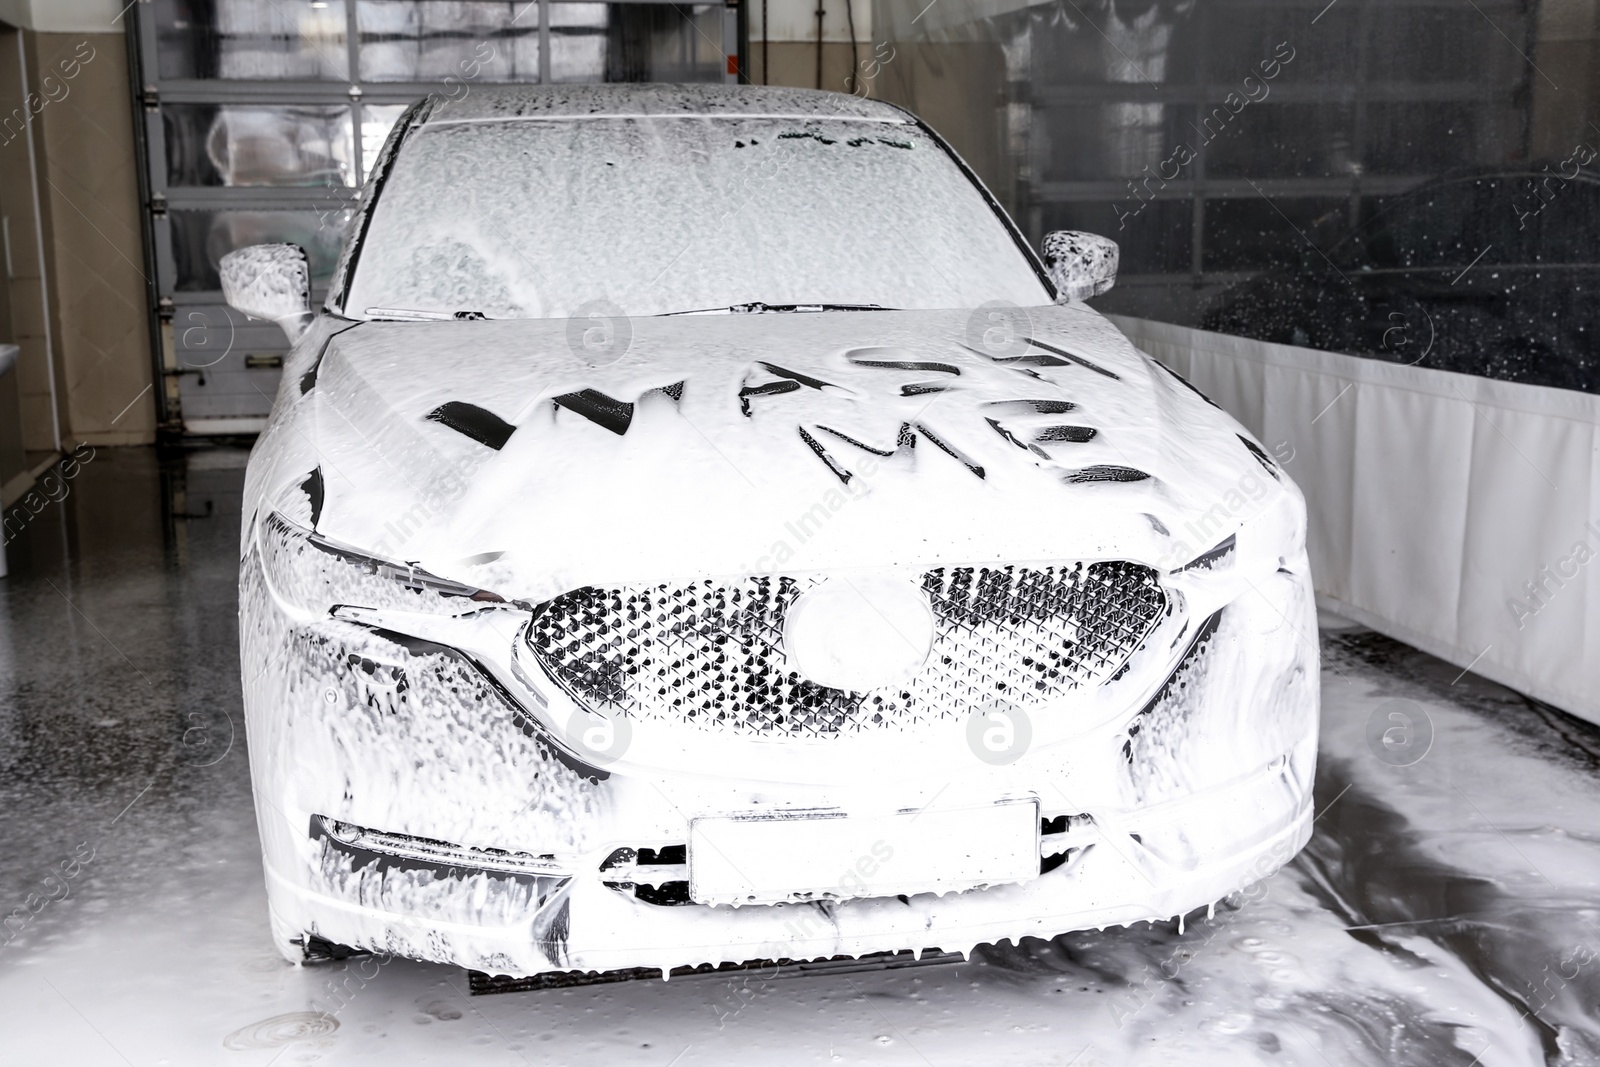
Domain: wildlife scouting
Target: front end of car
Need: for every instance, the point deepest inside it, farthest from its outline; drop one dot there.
(784, 764)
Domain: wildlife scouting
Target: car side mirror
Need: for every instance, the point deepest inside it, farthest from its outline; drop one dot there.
(269, 282)
(1081, 264)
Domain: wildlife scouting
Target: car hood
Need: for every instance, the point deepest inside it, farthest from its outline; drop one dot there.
(534, 456)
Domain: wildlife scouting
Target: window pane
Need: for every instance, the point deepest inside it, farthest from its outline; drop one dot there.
(1253, 233)
(250, 39)
(209, 144)
(636, 42)
(435, 40)
(201, 238)
(1089, 142)
(578, 42)
(1277, 140)
(1434, 138)
(1083, 49)
(1424, 43)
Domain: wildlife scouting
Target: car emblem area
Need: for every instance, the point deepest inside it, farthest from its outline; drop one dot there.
(859, 633)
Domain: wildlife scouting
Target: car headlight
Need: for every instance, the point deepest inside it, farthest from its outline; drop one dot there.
(314, 575)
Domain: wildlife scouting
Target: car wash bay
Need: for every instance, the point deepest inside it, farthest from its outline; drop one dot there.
(1447, 910)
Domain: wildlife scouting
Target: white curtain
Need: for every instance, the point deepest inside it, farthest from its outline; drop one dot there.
(1454, 513)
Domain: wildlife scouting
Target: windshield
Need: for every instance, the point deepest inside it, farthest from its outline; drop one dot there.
(539, 218)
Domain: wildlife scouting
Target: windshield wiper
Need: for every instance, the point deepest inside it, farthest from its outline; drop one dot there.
(413, 315)
(759, 308)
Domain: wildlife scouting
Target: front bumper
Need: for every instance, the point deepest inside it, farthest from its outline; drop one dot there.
(1200, 787)
(582, 925)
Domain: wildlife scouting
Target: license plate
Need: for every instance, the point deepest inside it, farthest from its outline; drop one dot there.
(770, 859)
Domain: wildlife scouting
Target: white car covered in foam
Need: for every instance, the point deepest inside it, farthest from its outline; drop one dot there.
(696, 528)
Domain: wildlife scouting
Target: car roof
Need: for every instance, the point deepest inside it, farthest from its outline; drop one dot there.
(513, 102)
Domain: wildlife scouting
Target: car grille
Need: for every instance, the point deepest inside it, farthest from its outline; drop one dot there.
(709, 654)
